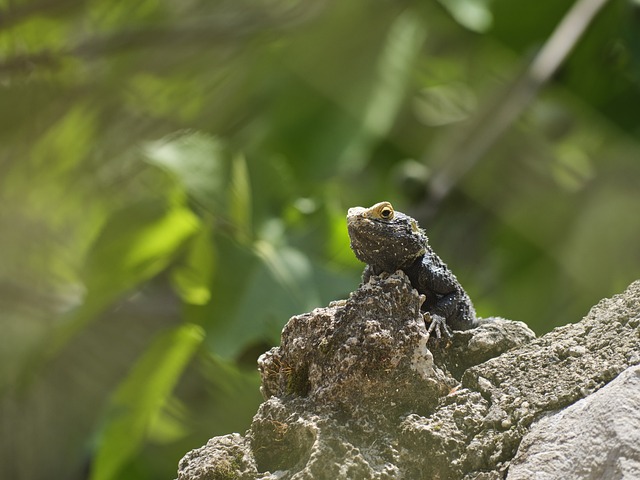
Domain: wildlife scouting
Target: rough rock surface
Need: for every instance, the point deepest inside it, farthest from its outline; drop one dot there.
(354, 392)
(596, 437)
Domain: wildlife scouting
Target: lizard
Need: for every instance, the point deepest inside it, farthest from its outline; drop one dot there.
(387, 241)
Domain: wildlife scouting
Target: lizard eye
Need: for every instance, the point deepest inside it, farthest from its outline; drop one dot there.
(386, 212)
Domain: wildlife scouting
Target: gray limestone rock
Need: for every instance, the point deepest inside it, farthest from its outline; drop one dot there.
(222, 457)
(354, 392)
(596, 437)
(371, 351)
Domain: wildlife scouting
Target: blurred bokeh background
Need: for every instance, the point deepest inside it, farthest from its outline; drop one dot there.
(174, 179)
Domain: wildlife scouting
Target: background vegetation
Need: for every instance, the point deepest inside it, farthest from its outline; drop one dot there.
(174, 177)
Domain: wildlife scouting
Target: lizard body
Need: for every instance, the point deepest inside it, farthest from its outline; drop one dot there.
(388, 241)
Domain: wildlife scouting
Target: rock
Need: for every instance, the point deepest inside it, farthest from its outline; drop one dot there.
(354, 392)
(367, 353)
(494, 336)
(222, 457)
(596, 437)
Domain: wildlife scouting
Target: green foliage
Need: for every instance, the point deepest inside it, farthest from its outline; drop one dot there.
(174, 178)
(198, 162)
(472, 14)
(134, 245)
(191, 278)
(141, 396)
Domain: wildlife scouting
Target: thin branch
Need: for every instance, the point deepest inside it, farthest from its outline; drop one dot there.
(496, 118)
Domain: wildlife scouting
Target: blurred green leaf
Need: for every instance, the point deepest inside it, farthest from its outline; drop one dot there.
(573, 168)
(169, 424)
(403, 43)
(262, 311)
(135, 244)
(66, 144)
(240, 197)
(109, 15)
(139, 399)
(199, 161)
(192, 277)
(443, 104)
(157, 95)
(472, 14)
(35, 33)
(283, 282)
(337, 246)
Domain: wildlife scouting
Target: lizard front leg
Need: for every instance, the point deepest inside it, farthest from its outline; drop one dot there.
(437, 324)
(447, 300)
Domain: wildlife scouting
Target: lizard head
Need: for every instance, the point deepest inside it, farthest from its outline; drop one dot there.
(384, 238)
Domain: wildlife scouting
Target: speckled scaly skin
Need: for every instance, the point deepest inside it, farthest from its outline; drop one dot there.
(388, 241)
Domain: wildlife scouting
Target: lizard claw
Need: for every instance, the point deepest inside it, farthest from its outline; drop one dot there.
(437, 324)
